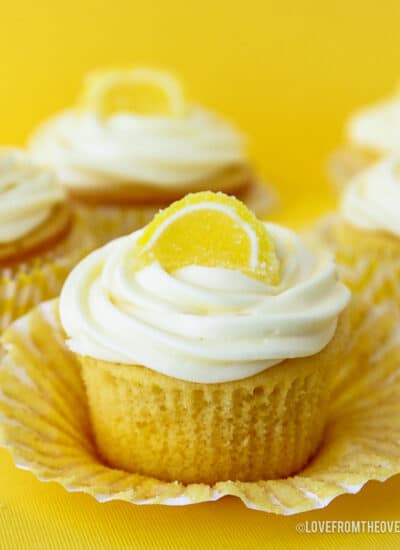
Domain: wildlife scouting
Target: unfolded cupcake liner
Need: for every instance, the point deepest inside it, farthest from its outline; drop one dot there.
(25, 284)
(45, 422)
(368, 262)
(109, 222)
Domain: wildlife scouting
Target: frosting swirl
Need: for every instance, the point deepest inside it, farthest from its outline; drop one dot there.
(88, 151)
(27, 194)
(372, 198)
(201, 324)
(377, 128)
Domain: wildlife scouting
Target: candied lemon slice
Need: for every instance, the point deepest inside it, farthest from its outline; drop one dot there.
(212, 230)
(141, 91)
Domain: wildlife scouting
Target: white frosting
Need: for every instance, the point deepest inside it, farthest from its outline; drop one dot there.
(87, 151)
(372, 198)
(27, 194)
(377, 128)
(201, 324)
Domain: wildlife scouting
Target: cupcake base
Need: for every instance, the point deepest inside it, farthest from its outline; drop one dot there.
(55, 443)
(368, 261)
(40, 276)
(109, 222)
(263, 427)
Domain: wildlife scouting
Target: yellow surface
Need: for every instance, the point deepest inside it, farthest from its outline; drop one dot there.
(288, 72)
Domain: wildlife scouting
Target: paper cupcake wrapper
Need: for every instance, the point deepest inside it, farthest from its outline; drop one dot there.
(111, 222)
(27, 283)
(45, 422)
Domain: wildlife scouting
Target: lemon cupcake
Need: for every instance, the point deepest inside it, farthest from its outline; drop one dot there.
(134, 137)
(365, 234)
(40, 238)
(207, 341)
(372, 133)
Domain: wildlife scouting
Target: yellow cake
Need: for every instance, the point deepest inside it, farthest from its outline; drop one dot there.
(207, 342)
(372, 133)
(263, 427)
(40, 237)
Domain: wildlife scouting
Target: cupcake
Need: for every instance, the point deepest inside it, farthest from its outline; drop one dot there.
(40, 238)
(372, 133)
(135, 138)
(207, 342)
(366, 232)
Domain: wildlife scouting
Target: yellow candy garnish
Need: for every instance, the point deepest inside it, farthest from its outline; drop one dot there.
(141, 91)
(211, 230)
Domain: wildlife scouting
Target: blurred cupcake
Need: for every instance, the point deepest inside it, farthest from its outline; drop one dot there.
(40, 238)
(207, 343)
(135, 138)
(372, 133)
(366, 233)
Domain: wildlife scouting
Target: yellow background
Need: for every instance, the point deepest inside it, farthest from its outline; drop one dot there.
(288, 72)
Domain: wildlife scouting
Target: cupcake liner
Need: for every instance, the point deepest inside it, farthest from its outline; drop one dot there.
(25, 284)
(109, 222)
(368, 261)
(45, 422)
